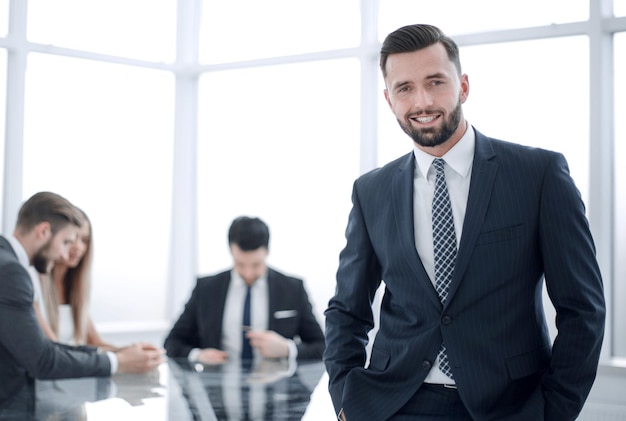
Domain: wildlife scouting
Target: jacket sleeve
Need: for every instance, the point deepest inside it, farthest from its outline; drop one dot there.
(25, 344)
(349, 315)
(184, 335)
(311, 344)
(574, 285)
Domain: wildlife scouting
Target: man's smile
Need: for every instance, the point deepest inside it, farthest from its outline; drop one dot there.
(425, 119)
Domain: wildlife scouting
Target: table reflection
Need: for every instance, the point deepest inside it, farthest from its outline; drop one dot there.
(182, 391)
(269, 390)
(121, 397)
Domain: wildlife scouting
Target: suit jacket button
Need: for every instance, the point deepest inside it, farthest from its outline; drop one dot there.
(426, 365)
(446, 320)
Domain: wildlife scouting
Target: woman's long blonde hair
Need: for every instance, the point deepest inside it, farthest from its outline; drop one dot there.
(77, 284)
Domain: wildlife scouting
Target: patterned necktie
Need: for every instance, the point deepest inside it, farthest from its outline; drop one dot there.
(444, 243)
(246, 349)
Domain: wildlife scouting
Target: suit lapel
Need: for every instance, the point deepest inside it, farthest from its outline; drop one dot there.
(402, 199)
(215, 308)
(481, 185)
(272, 292)
(4, 244)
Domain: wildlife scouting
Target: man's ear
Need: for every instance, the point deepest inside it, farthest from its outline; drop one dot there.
(464, 88)
(386, 94)
(43, 231)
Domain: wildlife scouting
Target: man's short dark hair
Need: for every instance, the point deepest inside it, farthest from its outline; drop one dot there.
(249, 233)
(416, 37)
(47, 207)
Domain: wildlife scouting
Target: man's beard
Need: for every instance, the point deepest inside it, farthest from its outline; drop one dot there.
(433, 136)
(40, 261)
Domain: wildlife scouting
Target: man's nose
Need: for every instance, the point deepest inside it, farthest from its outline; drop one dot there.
(422, 99)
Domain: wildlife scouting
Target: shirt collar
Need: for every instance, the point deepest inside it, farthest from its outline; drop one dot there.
(19, 250)
(459, 158)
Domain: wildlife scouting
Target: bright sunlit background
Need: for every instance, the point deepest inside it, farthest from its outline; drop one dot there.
(164, 120)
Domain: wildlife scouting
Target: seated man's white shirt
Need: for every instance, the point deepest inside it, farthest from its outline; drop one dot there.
(232, 321)
(37, 292)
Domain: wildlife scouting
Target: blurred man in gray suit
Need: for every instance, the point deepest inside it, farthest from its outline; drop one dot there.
(46, 226)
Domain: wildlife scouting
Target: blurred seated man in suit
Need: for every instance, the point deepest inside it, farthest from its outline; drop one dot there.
(47, 224)
(280, 323)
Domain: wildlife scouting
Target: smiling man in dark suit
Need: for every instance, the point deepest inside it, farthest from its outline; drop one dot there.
(281, 324)
(462, 332)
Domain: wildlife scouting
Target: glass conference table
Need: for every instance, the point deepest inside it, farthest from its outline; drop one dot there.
(181, 391)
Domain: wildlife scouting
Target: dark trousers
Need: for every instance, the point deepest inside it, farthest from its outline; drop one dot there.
(433, 403)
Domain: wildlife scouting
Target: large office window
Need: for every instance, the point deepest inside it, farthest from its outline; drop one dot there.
(517, 98)
(619, 268)
(138, 29)
(3, 91)
(268, 108)
(461, 17)
(4, 17)
(238, 30)
(281, 143)
(101, 135)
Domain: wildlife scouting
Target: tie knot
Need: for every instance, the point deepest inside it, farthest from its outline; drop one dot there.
(438, 165)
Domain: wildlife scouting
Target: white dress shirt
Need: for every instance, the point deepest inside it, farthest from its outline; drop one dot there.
(232, 321)
(458, 171)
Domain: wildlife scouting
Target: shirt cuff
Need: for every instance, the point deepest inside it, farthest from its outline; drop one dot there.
(113, 360)
(193, 354)
(341, 416)
(293, 350)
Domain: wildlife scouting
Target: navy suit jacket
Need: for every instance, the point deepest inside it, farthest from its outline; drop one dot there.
(200, 324)
(525, 222)
(25, 353)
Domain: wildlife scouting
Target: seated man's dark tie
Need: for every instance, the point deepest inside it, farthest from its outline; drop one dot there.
(246, 349)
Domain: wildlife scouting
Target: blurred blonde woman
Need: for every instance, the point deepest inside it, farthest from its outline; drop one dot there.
(61, 302)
